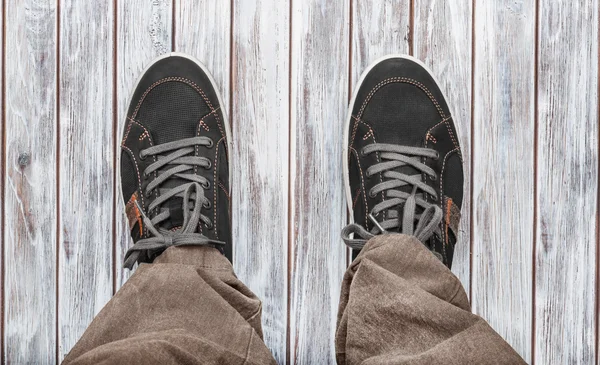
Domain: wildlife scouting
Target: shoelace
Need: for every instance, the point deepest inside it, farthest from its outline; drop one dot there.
(394, 157)
(192, 194)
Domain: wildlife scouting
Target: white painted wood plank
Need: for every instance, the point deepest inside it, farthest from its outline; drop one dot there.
(379, 28)
(86, 149)
(260, 158)
(203, 30)
(442, 38)
(319, 99)
(567, 178)
(503, 179)
(30, 216)
(143, 33)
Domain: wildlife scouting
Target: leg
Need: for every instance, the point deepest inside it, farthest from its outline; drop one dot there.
(185, 308)
(184, 304)
(400, 305)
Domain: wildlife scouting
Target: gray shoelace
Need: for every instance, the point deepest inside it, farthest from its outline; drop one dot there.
(394, 157)
(192, 194)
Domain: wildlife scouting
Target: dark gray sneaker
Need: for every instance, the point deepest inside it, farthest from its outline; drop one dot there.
(402, 160)
(174, 166)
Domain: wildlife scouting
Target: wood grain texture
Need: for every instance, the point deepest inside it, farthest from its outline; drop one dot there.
(442, 39)
(30, 221)
(379, 28)
(203, 30)
(319, 99)
(143, 33)
(535, 256)
(86, 148)
(567, 178)
(503, 169)
(260, 124)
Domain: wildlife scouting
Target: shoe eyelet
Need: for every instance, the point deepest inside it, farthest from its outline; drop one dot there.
(142, 156)
(362, 152)
(207, 205)
(206, 185)
(371, 195)
(209, 166)
(437, 155)
(434, 198)
(367, 173)
(210, 143)
(434, 177)
(209, 226)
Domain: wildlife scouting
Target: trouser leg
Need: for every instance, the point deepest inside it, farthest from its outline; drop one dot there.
(400, 305)
(185, 308)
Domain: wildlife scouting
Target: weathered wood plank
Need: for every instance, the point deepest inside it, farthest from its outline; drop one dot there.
(442, 38)
(260, 122)
(503, 179)
(143, 33)
(319, 99)
(379, 28)
(203, 30)
(567, 178)
(86, 148)
(30, 196)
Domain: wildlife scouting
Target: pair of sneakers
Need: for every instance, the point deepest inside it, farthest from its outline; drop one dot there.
(402, 160)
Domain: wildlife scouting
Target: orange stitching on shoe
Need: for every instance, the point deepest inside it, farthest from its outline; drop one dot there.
(448, 206)
(127, 131)
(430, 137)
(450, 132)
(440, 198)
(131, 120)
(144, 135)
(401, 79)
(356, 199)
(137, 170)
(437, 125)
(378, 156)
(154, 158)
(224, 190)
(362, 182)
(215, 189)
(428, 134)
(200, 123)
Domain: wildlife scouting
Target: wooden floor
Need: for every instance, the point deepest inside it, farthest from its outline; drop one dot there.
(521, 75)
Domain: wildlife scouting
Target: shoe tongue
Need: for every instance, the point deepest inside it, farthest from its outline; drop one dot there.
(174, 204)
(175, 220)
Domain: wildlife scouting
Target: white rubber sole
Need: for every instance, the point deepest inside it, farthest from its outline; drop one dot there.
(349, 118)
(214, 84)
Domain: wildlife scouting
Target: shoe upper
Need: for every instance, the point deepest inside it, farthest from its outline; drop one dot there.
(404, 158)
(174, 165)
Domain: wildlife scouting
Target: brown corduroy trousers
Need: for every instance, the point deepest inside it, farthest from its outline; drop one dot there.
(399, 305)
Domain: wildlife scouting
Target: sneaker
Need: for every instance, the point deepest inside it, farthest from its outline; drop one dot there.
(174, 166)
(402, 160)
